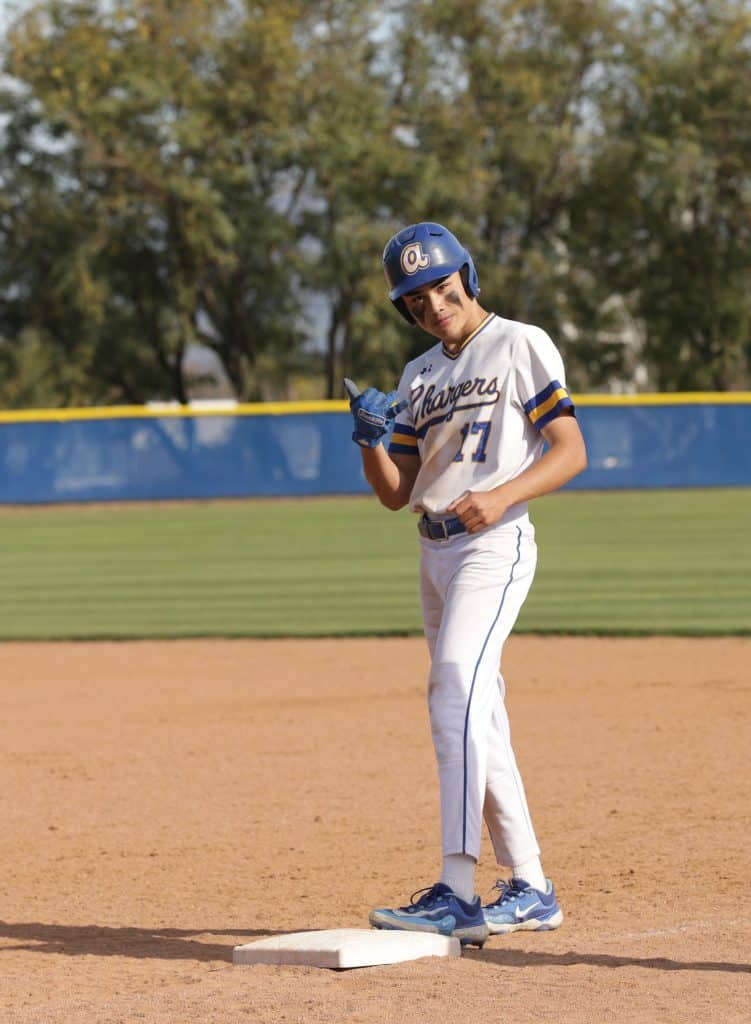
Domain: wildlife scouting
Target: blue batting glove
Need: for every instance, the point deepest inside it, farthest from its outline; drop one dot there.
(374, 413)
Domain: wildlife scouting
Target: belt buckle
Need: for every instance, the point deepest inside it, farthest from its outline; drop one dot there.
(444, 533)
(434, 529)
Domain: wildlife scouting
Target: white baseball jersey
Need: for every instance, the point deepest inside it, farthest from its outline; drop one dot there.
(474, 418)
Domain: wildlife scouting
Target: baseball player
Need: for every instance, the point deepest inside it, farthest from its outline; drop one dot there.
(480, 424)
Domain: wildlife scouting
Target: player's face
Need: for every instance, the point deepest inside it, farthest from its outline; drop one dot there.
(443, 309)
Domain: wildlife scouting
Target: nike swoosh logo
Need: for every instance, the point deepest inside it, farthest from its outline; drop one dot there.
(521, 914)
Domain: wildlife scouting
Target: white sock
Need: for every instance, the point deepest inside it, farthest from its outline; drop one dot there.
(531, 871)
(458, 873)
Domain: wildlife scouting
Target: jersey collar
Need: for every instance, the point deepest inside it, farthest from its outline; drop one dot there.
(470, 337)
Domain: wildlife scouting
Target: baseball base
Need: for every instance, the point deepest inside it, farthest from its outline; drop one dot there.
(340, 948)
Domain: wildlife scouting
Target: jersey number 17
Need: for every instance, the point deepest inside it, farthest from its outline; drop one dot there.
(481, 427)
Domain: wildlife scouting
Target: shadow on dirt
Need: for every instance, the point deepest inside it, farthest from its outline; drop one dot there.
(522, 958)
(191, 944)
(139, 943)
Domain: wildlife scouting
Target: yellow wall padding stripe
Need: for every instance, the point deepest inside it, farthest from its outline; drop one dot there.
(131, 412)
(668, 398)
(124, 412)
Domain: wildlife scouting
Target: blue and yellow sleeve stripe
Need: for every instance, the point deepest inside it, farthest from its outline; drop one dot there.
(547, 404)
(403, 440)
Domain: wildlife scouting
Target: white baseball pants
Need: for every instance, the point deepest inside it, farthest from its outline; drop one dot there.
(472, 588)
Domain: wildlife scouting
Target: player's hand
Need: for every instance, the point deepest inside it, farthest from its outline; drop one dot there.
(478, 509)
(373, 412)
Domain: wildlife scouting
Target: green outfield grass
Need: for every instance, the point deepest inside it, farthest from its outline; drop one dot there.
(634, 562)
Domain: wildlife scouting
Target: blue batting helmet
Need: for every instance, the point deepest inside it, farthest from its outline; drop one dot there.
(423, 253)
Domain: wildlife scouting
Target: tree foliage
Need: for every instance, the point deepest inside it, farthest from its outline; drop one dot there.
(153, 139)
(226, 174)
(668, 211)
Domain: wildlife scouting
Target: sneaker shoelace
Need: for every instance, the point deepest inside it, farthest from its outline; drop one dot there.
(427, 897)
(507, 892)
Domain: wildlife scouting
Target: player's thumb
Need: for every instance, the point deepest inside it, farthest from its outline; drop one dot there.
(352, 389)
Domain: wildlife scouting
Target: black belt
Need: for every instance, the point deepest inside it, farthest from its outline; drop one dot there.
(440, 529)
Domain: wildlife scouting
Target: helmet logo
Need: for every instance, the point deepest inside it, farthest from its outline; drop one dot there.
(413, 258)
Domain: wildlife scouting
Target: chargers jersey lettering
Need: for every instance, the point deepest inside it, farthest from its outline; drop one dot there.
(474, 418)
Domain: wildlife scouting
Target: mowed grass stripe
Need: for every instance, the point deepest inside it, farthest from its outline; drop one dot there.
(636, 562)
(119, 581)
(643, 562)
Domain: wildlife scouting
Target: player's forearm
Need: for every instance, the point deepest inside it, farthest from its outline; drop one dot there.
(390, 484)
(560, 463)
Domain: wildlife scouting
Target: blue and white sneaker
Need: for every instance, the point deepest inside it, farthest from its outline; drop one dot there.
(438, 910)
(519, 907)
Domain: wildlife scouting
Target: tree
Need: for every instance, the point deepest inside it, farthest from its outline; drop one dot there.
(157, 170)
(667, 205)
(365, 180)
(522, 79)
(227, 173)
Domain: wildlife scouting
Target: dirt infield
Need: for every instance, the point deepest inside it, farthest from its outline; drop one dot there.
(163, 802)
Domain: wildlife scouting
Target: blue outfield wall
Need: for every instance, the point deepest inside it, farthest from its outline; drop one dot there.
(137, 453)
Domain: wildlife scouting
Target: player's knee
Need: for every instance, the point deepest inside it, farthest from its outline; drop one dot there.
(448, 690)
(449, 681)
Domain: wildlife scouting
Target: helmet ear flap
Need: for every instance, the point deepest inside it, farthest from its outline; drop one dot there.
(401, 305)
(464, 271)
(469, 279)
